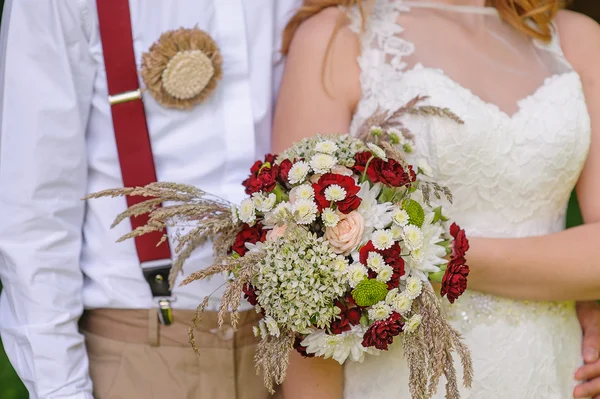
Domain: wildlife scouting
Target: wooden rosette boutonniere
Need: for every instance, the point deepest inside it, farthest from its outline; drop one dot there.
(182, 68)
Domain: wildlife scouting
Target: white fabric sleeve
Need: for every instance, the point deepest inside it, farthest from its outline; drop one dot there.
(46, 83)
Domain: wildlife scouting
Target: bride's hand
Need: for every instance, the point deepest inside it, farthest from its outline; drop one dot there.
(589, 317)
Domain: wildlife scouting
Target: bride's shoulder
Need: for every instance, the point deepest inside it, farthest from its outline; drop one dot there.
(580, 40)
(324, 50)
(320, 27)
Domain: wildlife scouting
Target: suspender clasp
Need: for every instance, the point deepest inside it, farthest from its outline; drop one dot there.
(165, 311)
(125, 97)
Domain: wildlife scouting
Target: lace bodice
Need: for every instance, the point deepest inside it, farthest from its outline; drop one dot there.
(511, 166)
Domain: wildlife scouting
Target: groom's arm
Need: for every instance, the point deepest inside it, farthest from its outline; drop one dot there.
(46, 81)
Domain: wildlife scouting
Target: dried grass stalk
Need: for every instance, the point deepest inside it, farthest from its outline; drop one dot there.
(210, 215)
(428, 188)
(440, 341)
(272, 358)
(415, 351)
(244, 268)
(387, 119)
(197, 317)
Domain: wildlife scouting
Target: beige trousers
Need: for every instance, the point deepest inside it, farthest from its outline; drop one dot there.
(133, 357)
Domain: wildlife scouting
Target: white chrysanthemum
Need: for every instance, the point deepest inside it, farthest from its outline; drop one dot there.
(375, 261)
(299, 280)
(305, 211)
(414, 286)
(322, 163)
(377, 151)
(408, 146)
(380, 311)
(357, 272)
(256, 331)
(401, 303)
(264, 203)
(397, 232)
(375, 215)
(347, 345)
(330, 217)
(279, 215)
(305, 191)
(391, 295)
(400, 216)
(424, 167)
(298, 172)
(247, 211)
(413, 237)
(412, 325)
(382, 239)
(234, 214)
(384, 274)
(430, 255)
(335, 193)
(326, 147)
(272, 326)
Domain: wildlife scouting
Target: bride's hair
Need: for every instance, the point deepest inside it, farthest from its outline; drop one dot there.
(518, 13)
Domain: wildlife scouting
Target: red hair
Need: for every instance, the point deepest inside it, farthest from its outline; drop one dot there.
(518, 13)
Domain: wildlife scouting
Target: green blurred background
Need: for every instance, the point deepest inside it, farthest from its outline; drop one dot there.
(10, 385)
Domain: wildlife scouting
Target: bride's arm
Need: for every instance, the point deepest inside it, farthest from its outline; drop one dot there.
(564, 265)
(315, 99)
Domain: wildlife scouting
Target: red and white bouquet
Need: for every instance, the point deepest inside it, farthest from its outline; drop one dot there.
(335, 245)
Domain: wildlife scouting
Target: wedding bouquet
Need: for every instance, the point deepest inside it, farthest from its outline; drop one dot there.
(335, 245)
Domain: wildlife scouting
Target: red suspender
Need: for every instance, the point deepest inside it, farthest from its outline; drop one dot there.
(133, 140)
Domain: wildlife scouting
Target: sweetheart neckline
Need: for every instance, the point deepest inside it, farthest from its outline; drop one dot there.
(548, 82)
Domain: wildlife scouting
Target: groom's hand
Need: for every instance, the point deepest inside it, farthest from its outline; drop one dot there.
(589, 374)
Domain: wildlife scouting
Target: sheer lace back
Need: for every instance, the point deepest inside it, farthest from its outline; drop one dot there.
(511, 168)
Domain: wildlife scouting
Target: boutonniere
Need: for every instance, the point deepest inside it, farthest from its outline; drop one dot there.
(182, 68)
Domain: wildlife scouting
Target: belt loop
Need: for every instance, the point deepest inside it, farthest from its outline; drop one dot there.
(153, 328)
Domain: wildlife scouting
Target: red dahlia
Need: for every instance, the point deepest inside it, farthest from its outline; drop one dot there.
(248, 234)
(263, 176)
(460, 244)
(347, 205)
(390, 173)
(382, 333)
(284, 170)
(454, 282)
(391, 256)
(360, 161)
(348, 317)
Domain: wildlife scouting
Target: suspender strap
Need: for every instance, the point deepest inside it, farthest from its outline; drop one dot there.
(132, 138)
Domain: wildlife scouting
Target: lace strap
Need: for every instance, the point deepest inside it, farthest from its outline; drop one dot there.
(382, 47)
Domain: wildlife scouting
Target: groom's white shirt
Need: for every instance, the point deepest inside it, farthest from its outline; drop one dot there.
(57, 254)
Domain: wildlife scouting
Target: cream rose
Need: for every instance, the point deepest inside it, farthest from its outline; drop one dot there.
(276, 233)
(341, 170)
(346, 235)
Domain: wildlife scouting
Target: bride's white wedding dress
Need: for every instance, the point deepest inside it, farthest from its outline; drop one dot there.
(511, 167)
